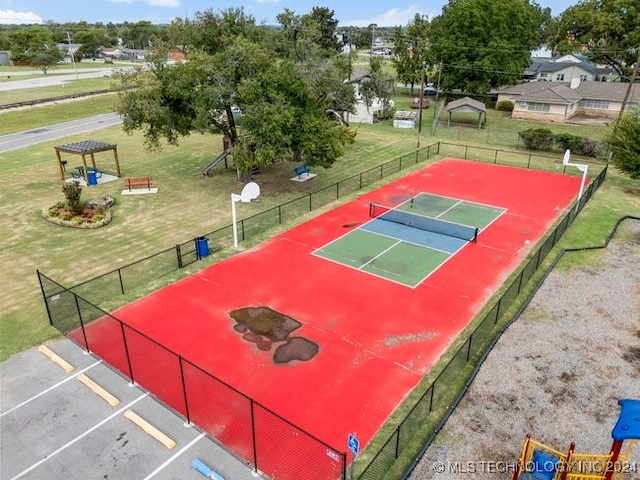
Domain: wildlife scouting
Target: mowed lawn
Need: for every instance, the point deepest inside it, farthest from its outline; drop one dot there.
(188, 204)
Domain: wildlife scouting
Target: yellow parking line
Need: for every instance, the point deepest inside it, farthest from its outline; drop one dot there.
(150, 429)
(56, 358)
(97, 389)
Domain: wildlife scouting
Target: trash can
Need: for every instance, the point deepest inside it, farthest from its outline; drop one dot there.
(93, 178)
(202, 247)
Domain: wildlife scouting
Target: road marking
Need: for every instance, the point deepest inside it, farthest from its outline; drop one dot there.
(98, 390)
(150, 429)
(177, 454)
(55, 358)
(78, 438)
(49, 389)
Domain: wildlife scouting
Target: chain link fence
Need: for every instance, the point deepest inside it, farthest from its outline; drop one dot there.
(426, 416)
(268, 442)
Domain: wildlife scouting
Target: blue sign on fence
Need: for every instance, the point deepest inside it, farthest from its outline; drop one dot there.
(354, 444)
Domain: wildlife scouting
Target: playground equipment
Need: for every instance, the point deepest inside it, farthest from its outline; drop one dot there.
(222, 157)
(541, 462)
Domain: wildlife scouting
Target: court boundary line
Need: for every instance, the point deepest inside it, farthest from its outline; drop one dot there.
(78, 438)
(47, 390)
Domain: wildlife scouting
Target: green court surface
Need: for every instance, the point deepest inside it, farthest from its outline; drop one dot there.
(401, 253)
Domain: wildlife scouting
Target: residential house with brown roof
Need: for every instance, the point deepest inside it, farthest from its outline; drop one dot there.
(560, 101)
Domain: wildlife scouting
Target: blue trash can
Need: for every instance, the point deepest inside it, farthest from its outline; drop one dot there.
(93, 178)
(202, 247)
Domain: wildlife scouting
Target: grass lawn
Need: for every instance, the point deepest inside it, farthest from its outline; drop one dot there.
(189, 205)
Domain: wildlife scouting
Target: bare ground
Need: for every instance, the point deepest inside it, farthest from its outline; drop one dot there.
(557, 372)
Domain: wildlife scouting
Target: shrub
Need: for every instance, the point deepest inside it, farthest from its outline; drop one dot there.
(545, 140)
(505, 106)
(72, 192)
(538, 139)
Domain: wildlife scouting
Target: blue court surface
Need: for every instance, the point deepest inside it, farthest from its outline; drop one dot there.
(408, 243)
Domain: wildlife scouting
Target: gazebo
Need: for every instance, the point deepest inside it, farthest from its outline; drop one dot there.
(467, 104)
(84, 148)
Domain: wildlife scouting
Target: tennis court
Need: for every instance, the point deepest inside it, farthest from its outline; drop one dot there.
(371, 339)
(408, 243)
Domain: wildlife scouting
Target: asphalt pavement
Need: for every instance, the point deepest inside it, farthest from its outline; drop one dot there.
(17, 140)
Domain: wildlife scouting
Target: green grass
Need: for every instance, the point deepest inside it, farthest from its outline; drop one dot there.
(72, 87)
(38, 117)
(189, 205)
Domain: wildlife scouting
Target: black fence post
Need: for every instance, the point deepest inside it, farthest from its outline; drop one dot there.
(121, 282)
(84, 333)
(253, 435)
(44, 296)
(126, 351)
(179, 255)
(184, 390)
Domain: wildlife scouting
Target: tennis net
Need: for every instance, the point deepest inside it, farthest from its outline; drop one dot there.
(443, 227)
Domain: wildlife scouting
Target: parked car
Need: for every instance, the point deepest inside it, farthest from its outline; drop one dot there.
(430, 89)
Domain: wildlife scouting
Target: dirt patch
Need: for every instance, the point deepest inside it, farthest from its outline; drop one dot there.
(556, 373)
(265, 327)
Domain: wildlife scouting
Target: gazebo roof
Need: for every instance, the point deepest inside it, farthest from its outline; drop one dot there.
(466, 104)
(86, 146)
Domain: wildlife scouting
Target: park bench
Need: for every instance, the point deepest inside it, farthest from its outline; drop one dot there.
(302, 170)
(138, 182)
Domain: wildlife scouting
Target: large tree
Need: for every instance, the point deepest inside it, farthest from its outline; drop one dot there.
(622, 137)
(411, 50)
(607, 31)
(288, 104)
(484, 44)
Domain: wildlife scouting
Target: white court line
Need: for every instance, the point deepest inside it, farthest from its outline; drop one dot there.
(451, 207)
(79, 437)
(381, 253)
(176, 455)
(49, 389)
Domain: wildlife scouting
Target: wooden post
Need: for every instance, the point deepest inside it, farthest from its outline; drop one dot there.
(115, 154)
(60, 167)
(86, 170)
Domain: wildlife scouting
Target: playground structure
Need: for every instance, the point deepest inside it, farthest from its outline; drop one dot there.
(541, 462)
(222, 157)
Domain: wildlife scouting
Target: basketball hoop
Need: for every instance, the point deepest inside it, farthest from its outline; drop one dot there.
(250, 192)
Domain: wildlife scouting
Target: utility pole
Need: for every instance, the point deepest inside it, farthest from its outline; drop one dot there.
(421, 105)
(631, 84)
(73, 57)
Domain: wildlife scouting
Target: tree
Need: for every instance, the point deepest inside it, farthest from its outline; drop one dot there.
(287, 104)
(484, 44)
(411, 49)
(47, 59)
(622, 138)
(606, 31)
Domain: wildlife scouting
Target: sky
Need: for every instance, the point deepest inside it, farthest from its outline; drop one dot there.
(360, 13)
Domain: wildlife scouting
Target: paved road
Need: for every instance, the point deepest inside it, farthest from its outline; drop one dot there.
(50, 79)
(14, 141)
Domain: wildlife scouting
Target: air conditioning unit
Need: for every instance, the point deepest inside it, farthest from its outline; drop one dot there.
(523, 104)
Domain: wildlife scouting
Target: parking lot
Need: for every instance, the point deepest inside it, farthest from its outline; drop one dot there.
(54, 426)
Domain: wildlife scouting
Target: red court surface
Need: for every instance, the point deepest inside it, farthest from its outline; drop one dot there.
(376, 338)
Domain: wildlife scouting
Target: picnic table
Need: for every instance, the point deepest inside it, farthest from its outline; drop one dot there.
(78, 172)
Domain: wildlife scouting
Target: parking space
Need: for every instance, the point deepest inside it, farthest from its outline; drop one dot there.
(55, 426)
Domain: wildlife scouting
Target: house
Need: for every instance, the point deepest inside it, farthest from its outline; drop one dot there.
(5, 58)
(560, 101)
(566, 69)
(176, 54)
(364, 113)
